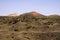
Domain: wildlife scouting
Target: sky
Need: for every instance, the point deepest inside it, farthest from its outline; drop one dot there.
(45, 7)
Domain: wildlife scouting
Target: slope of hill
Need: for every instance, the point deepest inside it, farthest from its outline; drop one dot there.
(30, 26)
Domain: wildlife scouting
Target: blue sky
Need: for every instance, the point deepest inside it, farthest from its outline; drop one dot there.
(45, 7)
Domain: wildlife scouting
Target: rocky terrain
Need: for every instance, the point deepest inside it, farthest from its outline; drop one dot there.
(30, 26)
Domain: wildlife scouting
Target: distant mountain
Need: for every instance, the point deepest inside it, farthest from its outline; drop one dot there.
(54, 16)
(13, 14)
(33, 13)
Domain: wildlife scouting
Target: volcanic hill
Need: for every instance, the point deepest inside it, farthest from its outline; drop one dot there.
(33, 13)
